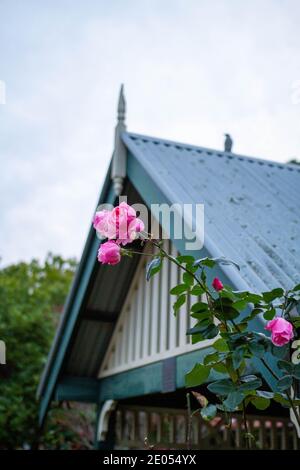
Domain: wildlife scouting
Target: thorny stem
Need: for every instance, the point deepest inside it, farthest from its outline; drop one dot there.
(174, 260)
(248, 437)
(136, 252)
(189, 430)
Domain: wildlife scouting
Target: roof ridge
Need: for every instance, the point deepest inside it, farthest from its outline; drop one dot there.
(231, 155)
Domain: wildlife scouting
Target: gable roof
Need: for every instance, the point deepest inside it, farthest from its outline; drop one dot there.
(251, 206)
(251, 216)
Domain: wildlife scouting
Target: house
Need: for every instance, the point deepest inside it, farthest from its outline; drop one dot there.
(103, 352)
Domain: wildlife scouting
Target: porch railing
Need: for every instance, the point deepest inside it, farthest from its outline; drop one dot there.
(166, 428)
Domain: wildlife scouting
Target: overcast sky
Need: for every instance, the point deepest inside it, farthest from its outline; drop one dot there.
(193, 69)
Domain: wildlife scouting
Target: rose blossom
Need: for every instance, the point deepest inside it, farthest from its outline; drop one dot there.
(104, 224)
(123, 213)
(282, 331)
(130, 233)
(217, 284)
(109, 253)
(120, 224)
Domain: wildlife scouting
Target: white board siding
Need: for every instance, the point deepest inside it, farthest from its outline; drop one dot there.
(147, 330)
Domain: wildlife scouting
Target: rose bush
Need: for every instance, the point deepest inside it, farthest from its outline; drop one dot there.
(223, 315)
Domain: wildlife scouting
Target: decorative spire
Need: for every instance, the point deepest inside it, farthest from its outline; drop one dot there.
(118, 172)
(121, 105)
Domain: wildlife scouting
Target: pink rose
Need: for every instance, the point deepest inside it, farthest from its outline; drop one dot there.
(217, 284)
(282, 331)
(123, 215)
(130, 233)
(104, 224)
(109, 253)
(120, 224)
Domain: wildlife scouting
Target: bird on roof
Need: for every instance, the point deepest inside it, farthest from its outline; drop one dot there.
(228, 143)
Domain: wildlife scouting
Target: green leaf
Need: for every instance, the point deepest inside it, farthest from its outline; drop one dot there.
(209, 412)
(253, 314)
(210, 263)
(260, 403)
(220, 345)
(286, 367)
(197, 290)
(240, 305)
(251, 385)
(199, 307)
(238, 356)
(281, 398)
(222, 387)
(233, 400)
(256, 348)
(179, 302)
(269, 314)
(220, 367)
(296, 372)
(225, 309)
(248, 378)
(197, 376)
(188, 279)
(153, 267)
(254, 298)
(197, 338)
(280, 351)
(185, 259)
(177, 290)
(297, 287)
(265, 394)
(273, 294)
(213, 357)
(284, 383)
(259, 344)
(206, 331)
(202, 315)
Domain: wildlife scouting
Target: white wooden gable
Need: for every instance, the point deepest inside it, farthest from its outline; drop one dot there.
(147, 330)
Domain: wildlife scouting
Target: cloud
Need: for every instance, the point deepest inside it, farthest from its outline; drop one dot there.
(192, 71)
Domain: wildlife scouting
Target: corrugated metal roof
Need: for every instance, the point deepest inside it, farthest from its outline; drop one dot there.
(252, 209)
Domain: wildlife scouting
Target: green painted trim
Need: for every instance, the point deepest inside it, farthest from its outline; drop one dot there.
(132, 383)
(147, 379)
(82, 389)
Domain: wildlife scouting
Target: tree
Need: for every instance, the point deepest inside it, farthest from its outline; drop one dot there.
(31, 296)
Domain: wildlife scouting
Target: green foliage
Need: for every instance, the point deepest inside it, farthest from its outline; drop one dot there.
(198, 375)
(31, 296)
(179, 302)
(153, 267)
(209, 412)
(228, 314)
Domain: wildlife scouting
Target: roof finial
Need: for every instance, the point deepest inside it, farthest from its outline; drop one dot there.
(121, 105)
(119, 161)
